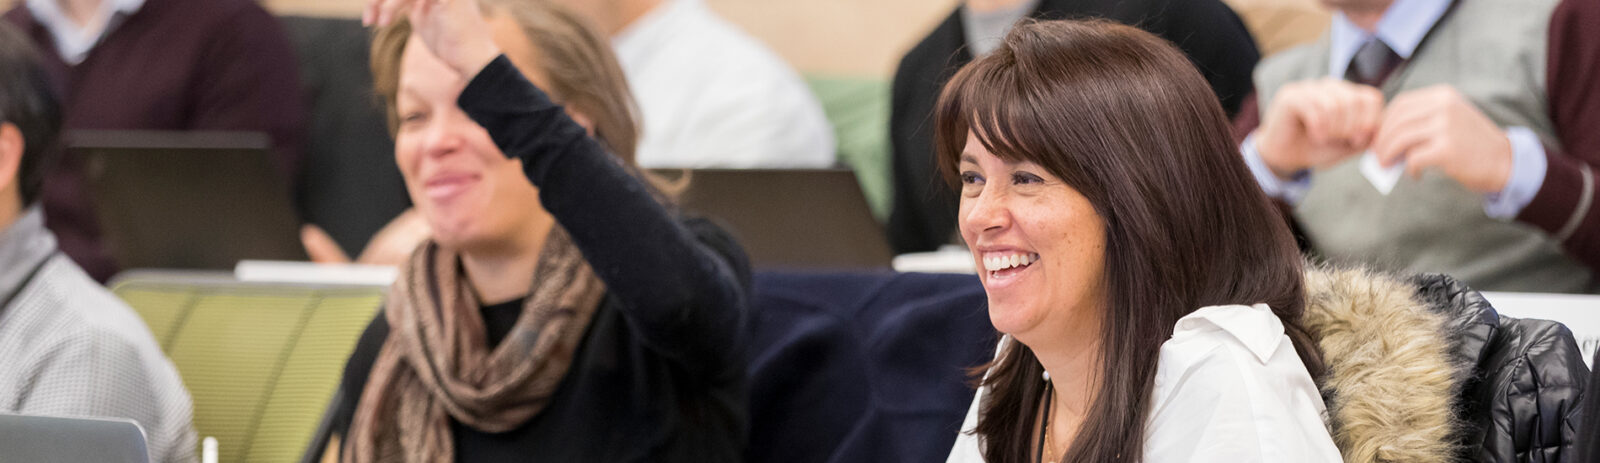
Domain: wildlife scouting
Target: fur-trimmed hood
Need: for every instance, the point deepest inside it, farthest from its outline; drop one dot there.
(1391, 385)
(1422, 369)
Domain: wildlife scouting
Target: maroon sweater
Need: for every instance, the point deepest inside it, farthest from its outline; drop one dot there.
(1573, 91)
(173, 65)
(1573, 87)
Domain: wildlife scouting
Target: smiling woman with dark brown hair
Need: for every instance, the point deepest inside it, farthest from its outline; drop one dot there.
(1150, 295)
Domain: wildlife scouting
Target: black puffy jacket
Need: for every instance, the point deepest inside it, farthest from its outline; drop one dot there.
(1589, 433)
(1423, 369)
(1523, 401)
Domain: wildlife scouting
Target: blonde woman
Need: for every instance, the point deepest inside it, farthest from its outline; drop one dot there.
(562, 310)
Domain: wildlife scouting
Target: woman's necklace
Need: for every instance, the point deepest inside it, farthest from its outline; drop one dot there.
(1049, 448)
(1046, 451)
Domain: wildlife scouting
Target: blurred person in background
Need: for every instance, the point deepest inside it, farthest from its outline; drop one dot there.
(563, 309)
(68, 347)
(159, 65)
(923, 216)
(1481, 115)
(710, 94)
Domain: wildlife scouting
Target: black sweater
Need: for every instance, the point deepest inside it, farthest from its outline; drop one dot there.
(658, 375)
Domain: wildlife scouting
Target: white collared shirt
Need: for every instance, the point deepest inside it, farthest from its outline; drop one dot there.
(1229, 388)
(712, 96)
(1402, 28)
(73, 41)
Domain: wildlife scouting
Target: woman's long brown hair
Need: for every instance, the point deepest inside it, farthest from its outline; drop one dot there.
(1123, 117)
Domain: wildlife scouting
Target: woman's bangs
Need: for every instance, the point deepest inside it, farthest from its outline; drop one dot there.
(993, 114)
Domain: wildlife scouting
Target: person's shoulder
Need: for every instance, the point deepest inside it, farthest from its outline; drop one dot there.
(79, 333)
(1521, 23)
(366, 351)
(82, 312)
(1217, 348)
(1254, 328)
(936, 50)
(212, 16)
(1230, 387)
(87, 318)
(698, 33)
(1298, 57)
(73, 327)
(359, 366)
(357, 369)
(728, 72)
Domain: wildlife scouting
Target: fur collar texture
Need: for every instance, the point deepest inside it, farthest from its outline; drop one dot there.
(1391, 385)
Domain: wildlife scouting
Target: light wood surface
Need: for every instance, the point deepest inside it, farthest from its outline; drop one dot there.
(867, 37)
(841, 37)
(1281, 24)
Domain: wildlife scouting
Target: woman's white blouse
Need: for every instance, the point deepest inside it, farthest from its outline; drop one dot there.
(1229, 388)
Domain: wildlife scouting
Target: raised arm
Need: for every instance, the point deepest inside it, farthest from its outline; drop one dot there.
(680, 294)
(682, 298)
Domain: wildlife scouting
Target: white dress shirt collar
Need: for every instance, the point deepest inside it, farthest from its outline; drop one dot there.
(72, 41)
(1255, 327)
(1229, 387)
(1402, 28)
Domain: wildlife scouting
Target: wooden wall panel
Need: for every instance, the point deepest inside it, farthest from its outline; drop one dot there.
(867, 37)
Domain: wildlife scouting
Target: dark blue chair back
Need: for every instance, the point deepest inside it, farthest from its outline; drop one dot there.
(863, 367)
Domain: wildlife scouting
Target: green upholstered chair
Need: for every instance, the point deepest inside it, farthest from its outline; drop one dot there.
(858, 109)
(260, 360)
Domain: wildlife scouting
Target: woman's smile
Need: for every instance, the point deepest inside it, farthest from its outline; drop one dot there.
(446, 186)
(1004, 267)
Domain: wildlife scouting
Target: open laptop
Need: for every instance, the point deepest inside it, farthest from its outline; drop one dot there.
(70, 440)
(188, 200)
(790, 218)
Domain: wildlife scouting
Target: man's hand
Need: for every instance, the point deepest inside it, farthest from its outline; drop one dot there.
(1436, 127)
(454, 30)
(1317, 123)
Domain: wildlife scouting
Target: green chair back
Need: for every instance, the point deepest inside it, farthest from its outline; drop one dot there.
(858, 109)
(260, 360)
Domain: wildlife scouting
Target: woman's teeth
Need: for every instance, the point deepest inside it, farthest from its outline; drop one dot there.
(1002, 262)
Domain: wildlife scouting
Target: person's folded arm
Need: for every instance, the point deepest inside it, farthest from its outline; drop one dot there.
(1565, 205)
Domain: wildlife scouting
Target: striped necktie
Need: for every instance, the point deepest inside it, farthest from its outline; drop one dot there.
(1372, 64)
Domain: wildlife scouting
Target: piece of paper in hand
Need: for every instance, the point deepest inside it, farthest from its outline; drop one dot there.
(1381, 178)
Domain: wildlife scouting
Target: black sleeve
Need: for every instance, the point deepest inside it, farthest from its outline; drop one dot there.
(1588, 446)
(680, 295)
